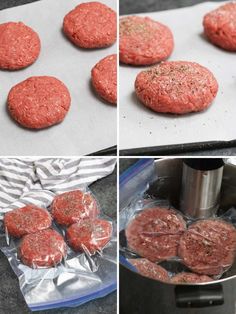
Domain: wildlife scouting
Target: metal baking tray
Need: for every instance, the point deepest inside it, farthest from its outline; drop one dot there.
(144, 132)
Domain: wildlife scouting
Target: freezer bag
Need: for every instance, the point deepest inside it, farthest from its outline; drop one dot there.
(79, 275)
(149, 220)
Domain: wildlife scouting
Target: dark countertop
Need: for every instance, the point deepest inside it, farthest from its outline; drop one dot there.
(139, 6)
(11, 299)
(4, 4)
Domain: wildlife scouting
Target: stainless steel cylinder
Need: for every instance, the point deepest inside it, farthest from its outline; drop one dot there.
(200, 191)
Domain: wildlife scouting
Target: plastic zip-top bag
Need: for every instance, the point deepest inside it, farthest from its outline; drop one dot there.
(58, 241)
(159, 242)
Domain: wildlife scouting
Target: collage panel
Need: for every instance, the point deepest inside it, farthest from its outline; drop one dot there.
(118, 157)
(58, 77)
(58, 243)
(177, 236)
(176, 79)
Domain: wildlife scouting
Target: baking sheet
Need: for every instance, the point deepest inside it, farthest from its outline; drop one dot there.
(141, 127)
(84, 129)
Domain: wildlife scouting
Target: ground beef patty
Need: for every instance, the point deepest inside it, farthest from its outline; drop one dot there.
(176, 87)
(144, 41)
(104, 78)
(208, 246)
(185, 277)
(28, 219)
(39, 102)
(70, 207)
(19, 46)
(91, 25)
(155, 233)
(89, 235)
(45, 248)
(149, 269)
(220, 26)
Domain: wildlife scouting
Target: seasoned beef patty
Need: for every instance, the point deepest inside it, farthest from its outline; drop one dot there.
(208, 246)
(45, 248)
(25, 220)
(70, 207)
(144, 41)
(176, 87)
(220, 26)
(155, 233)
(89, 235)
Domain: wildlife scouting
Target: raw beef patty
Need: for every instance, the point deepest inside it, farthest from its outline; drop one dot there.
(104, 78)
(39, 102)
(220, 26)
(208, 246)
(28, 219)
(19, 46)
(45, 248)
(91, 25)
(89, 235)
(144, 41)
(70, 207)
(176, 87)
(155, 233)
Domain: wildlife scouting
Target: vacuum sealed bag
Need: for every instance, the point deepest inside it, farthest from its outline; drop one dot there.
(158, 241)
(57, 239)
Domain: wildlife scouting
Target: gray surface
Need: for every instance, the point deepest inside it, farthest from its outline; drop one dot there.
(11, 300)
(215, 152)
(12, 3)
(138, 6)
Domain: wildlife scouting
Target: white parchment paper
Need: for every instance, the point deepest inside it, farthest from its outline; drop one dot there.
(141, 127)
(85, 128)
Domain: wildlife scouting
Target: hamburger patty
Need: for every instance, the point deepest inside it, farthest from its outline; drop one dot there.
(45, 248)
(91, 25)
(89, 235)
(149, 269)
(104, 78)
(71, 207)
(185, 277)
(144, 41)
(39, 102)
(25, 220)
(177, 87)
(19, 46)
(208, 246)
(155, 233)
(220, 26)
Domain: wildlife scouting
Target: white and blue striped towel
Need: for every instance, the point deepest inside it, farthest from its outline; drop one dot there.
(24, 181)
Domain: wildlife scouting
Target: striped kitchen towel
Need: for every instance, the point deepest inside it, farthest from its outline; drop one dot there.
(37, 181)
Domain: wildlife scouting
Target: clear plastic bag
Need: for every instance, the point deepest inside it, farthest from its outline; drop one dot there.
(51, 273)
(160, 190)
(145, 236)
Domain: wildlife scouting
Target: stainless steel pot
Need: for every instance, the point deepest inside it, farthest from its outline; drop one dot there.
(140, 295)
